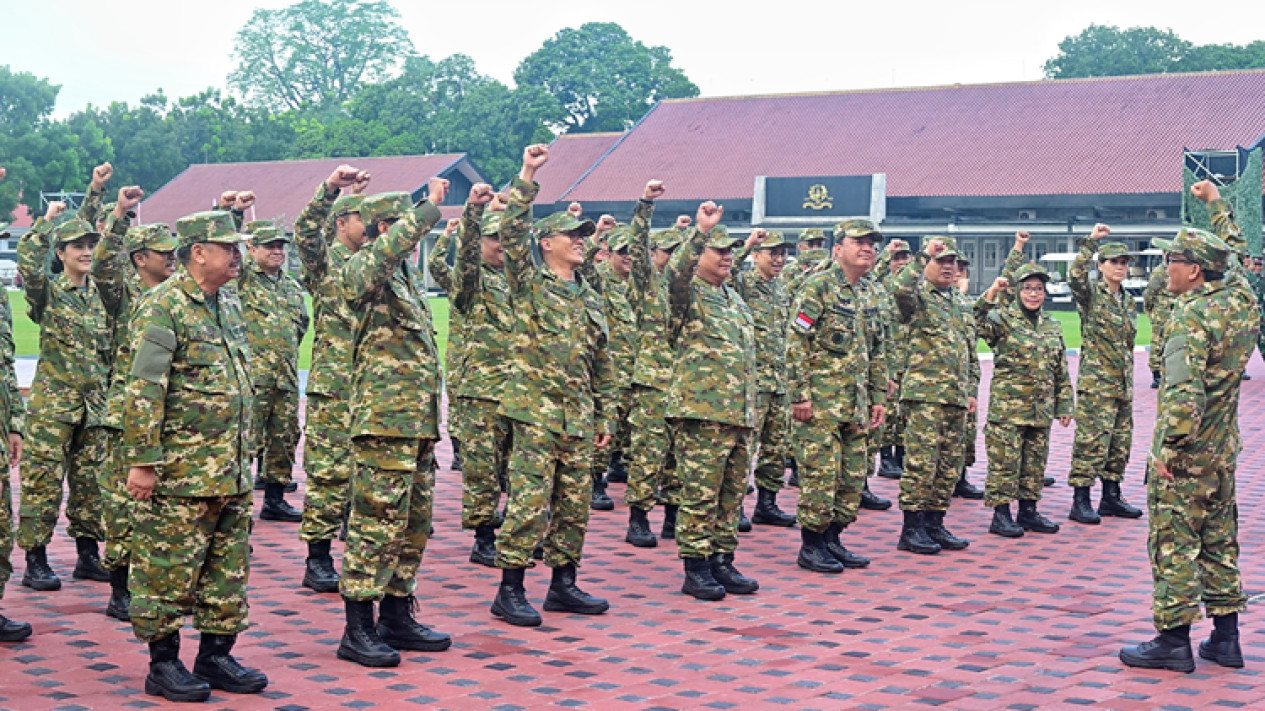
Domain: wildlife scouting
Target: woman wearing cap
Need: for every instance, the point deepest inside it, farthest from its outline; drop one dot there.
(1030, 389)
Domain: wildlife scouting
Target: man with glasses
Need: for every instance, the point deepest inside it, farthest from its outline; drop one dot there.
(1104, 382)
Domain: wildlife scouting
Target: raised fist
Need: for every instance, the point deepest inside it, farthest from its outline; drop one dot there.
(129, 198)
(1000, 283)
(683, 221)
(344, 176)
(361, 182)
(55, 210)
(227, 198)
(101, 175)
(935, 248)
(1021, 239)
(1100, 231)
(437, 190)
(244, 201)
(480, 194)
(654, 190)
(575, 209)
(452, 225)
(1205, 191)
(499, 203)
(758, 235)
(535, 156)
(708, 216)
(605, 223)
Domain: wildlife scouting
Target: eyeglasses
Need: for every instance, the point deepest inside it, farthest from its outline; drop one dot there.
(1036, 289)
(1172, 259)
(573, 236)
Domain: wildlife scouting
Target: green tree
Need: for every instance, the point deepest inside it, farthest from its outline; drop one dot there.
(316, 53)
(604, 78)
(1222, 57)
(1102, 51)
(38, 154)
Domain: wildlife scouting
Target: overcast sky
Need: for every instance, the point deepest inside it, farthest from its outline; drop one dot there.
(101, 52)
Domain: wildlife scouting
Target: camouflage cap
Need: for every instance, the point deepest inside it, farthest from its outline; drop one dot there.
(619, 237)
(73, 229)
(267, 234)
(719, 238)
(209, 226)
(899, 245)
(563, 222)
(809, 234)
(950, 244)
(1111, 250)
(384, 206)
(775, 239)
(1029, 270)
(1203, 248)
(156, 237)
(250, 227)
(491, 224)
(1164, 245)
(857, 228)
(667, 239)
(346, 204)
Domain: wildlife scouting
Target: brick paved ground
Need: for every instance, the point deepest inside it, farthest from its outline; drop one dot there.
(1033, 623)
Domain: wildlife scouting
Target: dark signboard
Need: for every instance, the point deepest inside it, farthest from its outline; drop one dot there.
(822, 196)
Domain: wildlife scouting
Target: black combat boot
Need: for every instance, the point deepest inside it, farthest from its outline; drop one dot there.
(1047, 480)
(361, 643)
(1003, 525)
(599, 501)
(565, 596)
(793, 479)
(275, 506)
(1113, 503)
(292, 487)
(873, 502)
(319, 573)
(38, 575)
(887, 467)
(11, 631)
(668, 533)
(767, 512)
(934, 524)
(511, 602)
(616, 470)
(1032, 520)
(894, 468)
(1169, 650)
(734, 582)
(168, 676)
(813, 554)
(484, 550)
(1155, 380)
(217, 667)
(699, 580)
(744, 523)
(836, 548)
(1223, 647)
(1082, 508)
(120, 599)
(639, 529)
(964, 489)
(913, 535)
(88, 565)
(457, 462)
(398, 627)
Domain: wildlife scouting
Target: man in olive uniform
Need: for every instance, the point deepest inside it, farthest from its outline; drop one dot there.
(810, 252)
(395, 396)
(12, 416)
(964, 488)
(560, 395)
(187, 441)
(892, 445)
(1157, 301)
(1104, 383)
(838, 377)
(276, 320)
(441, 270)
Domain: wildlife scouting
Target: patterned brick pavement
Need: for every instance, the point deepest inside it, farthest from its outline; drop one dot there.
(1026, 624)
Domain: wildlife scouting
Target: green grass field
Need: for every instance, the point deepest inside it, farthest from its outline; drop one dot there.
(26, 335)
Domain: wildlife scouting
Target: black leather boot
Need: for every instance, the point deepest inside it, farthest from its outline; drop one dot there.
(813, 554)
(1082, 509)
(275, 507)
(887, 467)
(1003, 525)
(38, 575)
(1047, 480)
(319, 573)
(934, 523)
(699, 581)
(120, 598)
(457, 462)
(744, 523)
(11, 631)
(1113, 503)
(599, 501)
(1223, 647)
(1032, 520)
(872, 502)
(361, 643)
(836, 548)
(898, 463)
(484, 550)
(168, 676)
(88, 565)
(668, 533)
(616, 470)
(1169, 650)
(793, 479)
(1155, 380)
(217, 667)
(400, 629)
(767, 512)
(734, 582)
(565, 596)
(966, 490)
(913, 536)
(511, 600)
(639, 529)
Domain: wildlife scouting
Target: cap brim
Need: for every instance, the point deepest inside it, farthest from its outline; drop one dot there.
(1162, 244)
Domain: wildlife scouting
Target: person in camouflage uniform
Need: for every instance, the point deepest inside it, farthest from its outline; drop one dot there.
(892, 443)
(1191, 500)
(810, 257)
(838, 379)
(1254, 273)
(1104, 383)
(765, 294)
(711, 406)
(559, 394)
(187, 442)
(1030, 389)
(441, 271)
(394, 402)
(963, 488)
(326, 234)
(1157, 301)
(936, 393)
(276, 320)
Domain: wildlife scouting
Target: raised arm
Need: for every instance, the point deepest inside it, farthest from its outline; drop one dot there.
(90, 209)
(32, 251)
(109, 259)
(1017, 258)
(516, 223)
(470, 248)
(310, 237)
(1078, 273)
(680, 271)
(989, 324)
(639, 283)
(370, 270)
(437, 265)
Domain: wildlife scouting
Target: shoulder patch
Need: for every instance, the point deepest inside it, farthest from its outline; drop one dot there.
(153, 359)
(803, 322)
(1175, 369)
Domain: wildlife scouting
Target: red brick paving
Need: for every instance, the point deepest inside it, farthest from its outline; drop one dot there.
(1024, 624)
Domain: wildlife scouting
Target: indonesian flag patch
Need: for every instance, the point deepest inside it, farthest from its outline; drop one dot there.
(803, 322)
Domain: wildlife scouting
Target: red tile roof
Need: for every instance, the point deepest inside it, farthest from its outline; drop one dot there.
(569, 156)
(21, 217)
(283, 188)
(1082, 136)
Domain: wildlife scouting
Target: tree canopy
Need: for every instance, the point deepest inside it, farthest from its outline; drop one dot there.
(1106, 50)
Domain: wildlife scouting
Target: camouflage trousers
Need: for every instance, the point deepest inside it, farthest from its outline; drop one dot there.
(549, 491)
(771, 431)
(1016, 463)
(6, 528)
(192, 555)
(116, 504)
(275, 420)
(933, 455)
(969, 434)
(1194, 547)
(622, 437)
(485, 447)
(392, 493)
(712, 460)
(56, 451)
(652, 472)
(327, 461)
(893, 431)
(1104, 434)
(1155, 359)
(833, 466)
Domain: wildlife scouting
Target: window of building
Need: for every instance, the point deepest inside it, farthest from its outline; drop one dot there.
(990, 254)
